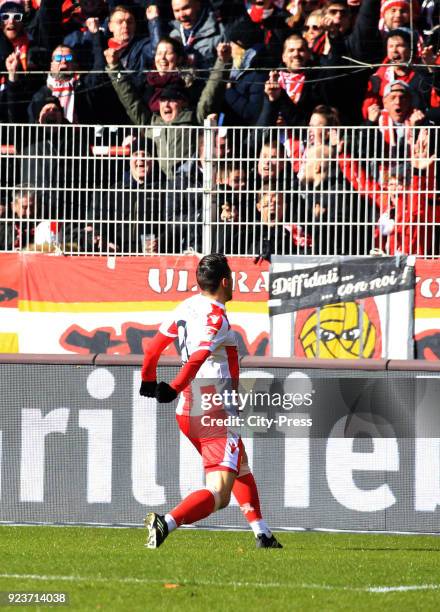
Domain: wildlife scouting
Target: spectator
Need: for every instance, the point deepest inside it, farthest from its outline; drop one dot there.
(21, 87)
(128, 218)
(173, 146)
(362, 42)
(244, 91)
(430, 56)
(272, 167)
(319, 132)
(272, 20)
(198, 29)
(56, 159)
(300, 10)
(405, 215)
(293, 92)
(396, 14)
(91, 18)
(313, 31)
(170, 67)
(135, 54)
(18, 37)
(18, 229)
(229, 231)
(185, 202)
(274, 232)
(23, 41)
(70, 88)
(329, 220)
(395, 120)
(399, 52)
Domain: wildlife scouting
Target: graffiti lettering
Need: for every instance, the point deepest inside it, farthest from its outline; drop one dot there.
(7, 294)
(129, 342)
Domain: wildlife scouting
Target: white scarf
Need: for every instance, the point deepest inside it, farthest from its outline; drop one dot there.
(65, 92)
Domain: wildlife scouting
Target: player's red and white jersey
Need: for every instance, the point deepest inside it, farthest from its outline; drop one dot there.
(201, 323)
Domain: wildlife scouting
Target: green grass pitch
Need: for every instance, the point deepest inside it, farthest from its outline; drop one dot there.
(110, 569)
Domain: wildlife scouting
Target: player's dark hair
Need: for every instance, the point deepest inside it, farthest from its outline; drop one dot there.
(211, 270)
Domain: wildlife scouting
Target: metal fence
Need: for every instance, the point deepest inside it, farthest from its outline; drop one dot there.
(242, 191)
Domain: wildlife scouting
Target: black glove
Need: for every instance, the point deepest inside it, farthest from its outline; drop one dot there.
(165, 393)
(148, 388)
(265, 253)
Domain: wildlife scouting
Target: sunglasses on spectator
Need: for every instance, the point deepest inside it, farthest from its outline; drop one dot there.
(306, 28)
(334, 11)
(59, 57)
(11, 17)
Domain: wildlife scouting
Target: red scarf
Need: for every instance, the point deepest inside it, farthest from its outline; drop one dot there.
(299, 237)
(258, 14)
(292, 83)
(319, 45)
(435, 94)
(112, 44)
(21, 48)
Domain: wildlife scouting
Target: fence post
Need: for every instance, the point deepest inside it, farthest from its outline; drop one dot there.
(208, 183)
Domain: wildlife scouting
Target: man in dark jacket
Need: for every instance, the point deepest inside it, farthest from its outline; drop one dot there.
(19, 40)
(244, 91)
(134, 54)
(129, 217)
(362, 43)
(71, 89)
(400, 67)
(198, 29)
(185, 198)
(18, 229)
(292, 92)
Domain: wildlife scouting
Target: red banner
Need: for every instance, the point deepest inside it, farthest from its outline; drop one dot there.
(109, 305)
(427, 310)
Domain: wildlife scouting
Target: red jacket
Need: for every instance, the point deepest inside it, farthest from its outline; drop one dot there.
(404, 221)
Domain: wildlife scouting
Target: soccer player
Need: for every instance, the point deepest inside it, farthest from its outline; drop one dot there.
(209, 351)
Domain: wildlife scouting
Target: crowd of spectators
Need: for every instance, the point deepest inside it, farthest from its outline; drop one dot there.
(166, 66)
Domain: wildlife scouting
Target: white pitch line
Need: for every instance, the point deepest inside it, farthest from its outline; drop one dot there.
(265, 585)
(409, 587)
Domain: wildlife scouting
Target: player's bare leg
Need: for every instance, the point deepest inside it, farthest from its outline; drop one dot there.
(195, 507)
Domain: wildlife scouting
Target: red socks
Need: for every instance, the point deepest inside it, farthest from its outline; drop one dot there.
(195, 507)
(246, 493)
(200, 504)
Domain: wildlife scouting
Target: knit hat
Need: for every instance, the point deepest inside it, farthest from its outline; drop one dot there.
(387, 4)
(245, 33)
(174, 91)
(12, 7)
(396, 86)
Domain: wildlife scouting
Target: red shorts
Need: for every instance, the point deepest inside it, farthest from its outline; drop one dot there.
(219, 453)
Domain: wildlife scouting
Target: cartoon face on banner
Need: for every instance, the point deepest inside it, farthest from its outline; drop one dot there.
(428, 345)
(347, 330)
